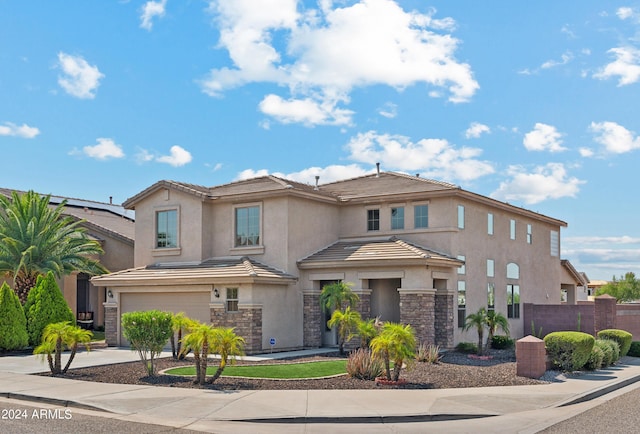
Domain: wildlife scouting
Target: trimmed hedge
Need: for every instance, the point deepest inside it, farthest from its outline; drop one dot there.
(569, 351)
(467, 347)
(502, 342)
(45, 305)
(623, 338)
(634, 350)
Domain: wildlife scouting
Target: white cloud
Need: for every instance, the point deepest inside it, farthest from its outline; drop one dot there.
(625, 66)
(545, 182)
(625, 239)
(143, 156)
(586, 152)
(434, 158)
(79, 79)
(475, 130)
(625, 12)
(327, 174)
(178, 157)
(565, 58)
(543, 137)
(24, 131)
(332, 50)
(614, 137)
(150, 10)
(389, 111)
(104, 150)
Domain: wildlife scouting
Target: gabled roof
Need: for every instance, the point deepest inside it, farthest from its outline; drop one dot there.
(196, 190)
(212, 271)
(579, 278)
(389, 251)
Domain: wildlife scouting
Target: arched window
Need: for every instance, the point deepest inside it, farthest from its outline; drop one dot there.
(513, 271)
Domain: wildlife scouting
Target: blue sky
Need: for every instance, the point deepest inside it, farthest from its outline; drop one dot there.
(527, 102)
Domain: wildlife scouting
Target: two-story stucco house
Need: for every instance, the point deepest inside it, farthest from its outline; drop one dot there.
(254, 254)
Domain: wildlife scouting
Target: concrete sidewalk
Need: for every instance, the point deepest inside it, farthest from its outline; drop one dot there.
(207, 410)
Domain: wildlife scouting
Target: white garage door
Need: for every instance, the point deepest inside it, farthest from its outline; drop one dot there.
(194, 304)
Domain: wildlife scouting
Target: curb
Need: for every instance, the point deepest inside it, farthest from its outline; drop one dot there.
(52, 401)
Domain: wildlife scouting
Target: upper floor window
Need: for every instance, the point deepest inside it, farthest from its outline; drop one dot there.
(397, 217)
(529, 234)
(373, 219)
(512, 229)
(421, 216)
(247, 226)
(167, 229)
(232, 299)
(555, 243)
(490, 224)
(513, 271)
(462, 269)
(490, 268)
(461, 216)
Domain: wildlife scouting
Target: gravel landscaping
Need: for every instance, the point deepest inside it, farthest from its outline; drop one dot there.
(455, 370)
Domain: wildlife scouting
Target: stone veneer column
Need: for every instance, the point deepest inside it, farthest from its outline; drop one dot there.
(417, 308)
(444, 317)
(363, 306)
(111, 324)
(247, 323)
(311, 319)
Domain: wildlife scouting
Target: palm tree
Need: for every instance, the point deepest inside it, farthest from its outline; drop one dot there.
(394, 343)
(479, 321)
(494, 321)
(336, 295)
(368, 329)
(35, 239)
(179, 323)
(58, 336)
(347, 322)
(198, 340)
(228, 346)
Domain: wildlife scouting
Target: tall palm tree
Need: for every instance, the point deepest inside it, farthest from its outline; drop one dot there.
(394, 343)
(35, 239)
(228, 346)
(494, 321)
(347, 322)
(337, 296)
(478, 321)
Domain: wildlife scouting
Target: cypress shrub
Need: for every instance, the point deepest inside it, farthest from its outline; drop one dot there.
(607, 352)
(634, 350)
(569, 350)
(623, 338)
(45, 305)
(13, 322)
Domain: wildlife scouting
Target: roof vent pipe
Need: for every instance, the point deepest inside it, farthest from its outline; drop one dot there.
(110, 200)
(317, 179)
(377, 170)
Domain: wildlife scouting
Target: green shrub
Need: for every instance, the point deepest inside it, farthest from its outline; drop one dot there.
(607, 352)
(634, 349)
(361, 365)
(45, 305)
(13, 322)
(428, 353)
(615, 350)
(623, 338)
(502, 342)
(595, 359)
(569, 351)
(148, 332)
(467, 347)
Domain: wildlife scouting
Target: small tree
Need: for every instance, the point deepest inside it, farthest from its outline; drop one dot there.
(13, 322)
(179, 323)
(347, 322)
(496, 320)
(148, 332)
(56, 338)
(45, 305)
(228, 346)
(478, 321)
(395, 343)
(336, 296)
(198, 340)
(368, 329)
(625, 289)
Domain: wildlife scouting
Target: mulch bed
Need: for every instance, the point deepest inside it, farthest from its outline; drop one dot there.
(455, 370)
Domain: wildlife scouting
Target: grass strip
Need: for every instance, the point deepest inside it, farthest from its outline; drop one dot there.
(282, 371)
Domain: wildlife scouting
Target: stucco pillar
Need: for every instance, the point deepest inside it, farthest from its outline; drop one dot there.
(444, 317)
(605, 312)
(312, 319)
(417, 308)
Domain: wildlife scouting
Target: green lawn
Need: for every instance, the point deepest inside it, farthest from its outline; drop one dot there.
(289, 371)
(97, 336)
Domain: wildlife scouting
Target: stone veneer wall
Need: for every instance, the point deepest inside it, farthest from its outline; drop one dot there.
(444, 319)
(247, 323)
(111, 325)
(417, 307)
(312, 318)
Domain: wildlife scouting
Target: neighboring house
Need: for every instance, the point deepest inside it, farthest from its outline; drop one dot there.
(113, 227)
(255, 254)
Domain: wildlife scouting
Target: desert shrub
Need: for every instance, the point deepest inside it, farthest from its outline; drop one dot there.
(595, 359)
(467, 347)
(45, 305)
(13, 323)
(634, 349)
(428, 353)
(623, 338)
(361, 365)
(502, 342)
(148, 332)
(569, 351)
(615, 350)
(607, 352)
